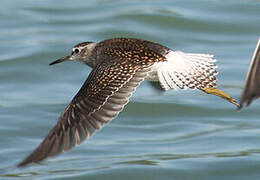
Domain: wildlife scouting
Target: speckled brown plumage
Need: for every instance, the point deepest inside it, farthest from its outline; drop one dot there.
(122, 65)
(119, 66)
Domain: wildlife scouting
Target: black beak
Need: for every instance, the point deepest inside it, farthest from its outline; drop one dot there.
(61, 60)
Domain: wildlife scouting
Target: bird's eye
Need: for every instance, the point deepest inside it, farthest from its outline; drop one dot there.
(76, 50)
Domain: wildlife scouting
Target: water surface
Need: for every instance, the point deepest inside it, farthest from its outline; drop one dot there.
(172, 135)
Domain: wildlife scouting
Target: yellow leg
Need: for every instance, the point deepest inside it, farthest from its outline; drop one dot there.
(221, 94)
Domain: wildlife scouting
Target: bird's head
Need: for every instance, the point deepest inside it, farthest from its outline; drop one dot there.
(80, 52)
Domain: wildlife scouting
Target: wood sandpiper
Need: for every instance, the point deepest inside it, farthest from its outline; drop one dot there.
(119, 66)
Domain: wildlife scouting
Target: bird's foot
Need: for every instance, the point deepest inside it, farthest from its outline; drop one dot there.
(221, 94)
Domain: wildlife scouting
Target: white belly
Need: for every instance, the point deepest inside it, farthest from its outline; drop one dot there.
(152, 75)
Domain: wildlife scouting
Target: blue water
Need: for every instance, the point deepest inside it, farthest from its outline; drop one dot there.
(171, 135)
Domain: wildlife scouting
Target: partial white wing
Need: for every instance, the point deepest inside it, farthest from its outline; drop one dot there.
(187, 70)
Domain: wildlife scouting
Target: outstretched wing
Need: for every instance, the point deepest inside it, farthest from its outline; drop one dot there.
(103, 95)
(100, 99)
(187, 70)
(252, 83)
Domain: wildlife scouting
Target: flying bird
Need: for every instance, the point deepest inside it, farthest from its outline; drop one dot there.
(119, 66)
(251, 89)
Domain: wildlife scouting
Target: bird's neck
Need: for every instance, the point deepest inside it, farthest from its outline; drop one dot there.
(90, 58)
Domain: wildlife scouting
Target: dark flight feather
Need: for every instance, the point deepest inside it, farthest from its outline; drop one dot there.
(251, 89)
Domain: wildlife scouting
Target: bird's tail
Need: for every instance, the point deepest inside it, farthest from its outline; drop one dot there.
(191, 70)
